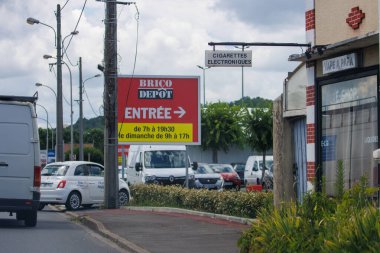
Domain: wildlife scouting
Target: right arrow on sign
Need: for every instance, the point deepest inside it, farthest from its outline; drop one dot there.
(180, 112)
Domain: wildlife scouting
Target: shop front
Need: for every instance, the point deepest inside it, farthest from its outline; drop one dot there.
(347, 125)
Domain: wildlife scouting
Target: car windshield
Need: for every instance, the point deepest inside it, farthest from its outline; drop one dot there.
(240, 167)
(220, 168)
(54, 170)
(203, 169)
(269, 165)
(165, 159)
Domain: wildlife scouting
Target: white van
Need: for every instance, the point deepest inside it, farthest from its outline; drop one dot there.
(253, 169)
(20, 169)
(158, 164)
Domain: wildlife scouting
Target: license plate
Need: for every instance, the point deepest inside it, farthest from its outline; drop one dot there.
(227, 183)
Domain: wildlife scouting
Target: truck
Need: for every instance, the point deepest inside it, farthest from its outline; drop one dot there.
(20, 168)
(159, 164)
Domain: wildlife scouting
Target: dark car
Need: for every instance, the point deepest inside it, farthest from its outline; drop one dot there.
(231, 178)
(239, 168)
(206, 178)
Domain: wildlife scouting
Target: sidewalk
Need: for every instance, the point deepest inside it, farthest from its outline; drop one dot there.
(165, 230)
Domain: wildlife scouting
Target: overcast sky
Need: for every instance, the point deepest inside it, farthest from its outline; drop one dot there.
(172, 39)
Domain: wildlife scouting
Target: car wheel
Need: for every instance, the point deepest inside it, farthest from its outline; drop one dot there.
(31, 219)
(123, 197)
(20, 215)
(41, 206)
(73, 201)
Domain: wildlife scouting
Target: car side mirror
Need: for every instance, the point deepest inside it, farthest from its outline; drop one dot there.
(194, 166)
(138, 167)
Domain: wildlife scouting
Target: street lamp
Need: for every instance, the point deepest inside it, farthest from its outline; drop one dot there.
(63, 41)
(47, 128)
(40, 84)
(55, 94)
(57, 41)
(71, 107)
(32, 21)
(52, 131)
(81, 116)
(242, 74)
(204, 83)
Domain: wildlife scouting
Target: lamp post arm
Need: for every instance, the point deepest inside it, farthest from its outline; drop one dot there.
(55, 33)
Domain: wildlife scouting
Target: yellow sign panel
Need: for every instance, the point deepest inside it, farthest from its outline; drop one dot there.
(155, 132)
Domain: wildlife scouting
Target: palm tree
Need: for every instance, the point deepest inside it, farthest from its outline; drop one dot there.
(258, 130)
(220, 127)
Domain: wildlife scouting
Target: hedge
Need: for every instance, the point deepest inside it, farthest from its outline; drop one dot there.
(241, 204)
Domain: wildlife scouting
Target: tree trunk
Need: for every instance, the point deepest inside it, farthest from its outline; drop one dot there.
(263, 169)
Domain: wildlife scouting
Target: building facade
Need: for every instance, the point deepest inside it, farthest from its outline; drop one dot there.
(341, 90)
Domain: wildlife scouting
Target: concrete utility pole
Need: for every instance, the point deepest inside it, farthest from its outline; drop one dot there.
(283, 190)
(59, 133)
(110, 107)
(80, 111)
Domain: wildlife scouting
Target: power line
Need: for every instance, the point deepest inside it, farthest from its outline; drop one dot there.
(65, 5)
(76, 26)
(137, 18)
(88, 99)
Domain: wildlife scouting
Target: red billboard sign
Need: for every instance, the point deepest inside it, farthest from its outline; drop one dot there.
(158, 110)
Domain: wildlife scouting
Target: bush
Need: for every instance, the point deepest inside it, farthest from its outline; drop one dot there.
(241, 204)
(350, 223)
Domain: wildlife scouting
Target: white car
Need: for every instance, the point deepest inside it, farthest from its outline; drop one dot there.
(253, 170)
(75, 184)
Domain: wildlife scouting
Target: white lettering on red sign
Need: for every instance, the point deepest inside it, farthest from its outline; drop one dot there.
(148, 83)
(147, 113)
(152, 113)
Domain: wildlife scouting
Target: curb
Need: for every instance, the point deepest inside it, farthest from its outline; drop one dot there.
(245, 221)
(99, 228)
(123, 243)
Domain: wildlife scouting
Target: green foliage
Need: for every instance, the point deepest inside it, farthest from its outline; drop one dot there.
(42, 135)
(258, 128)
(94, 136)
(339, 183)
(319, 224)
(256, 102)
(97, 122)
(94, 154)
(220, 127)
(242, 204)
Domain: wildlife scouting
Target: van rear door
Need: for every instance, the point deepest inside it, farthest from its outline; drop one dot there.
(16, 152)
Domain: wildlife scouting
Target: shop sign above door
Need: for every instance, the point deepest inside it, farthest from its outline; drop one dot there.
(228, 58)
(340, 63)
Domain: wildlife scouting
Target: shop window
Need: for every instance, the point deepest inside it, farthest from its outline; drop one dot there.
(351, 110)
(362, 116)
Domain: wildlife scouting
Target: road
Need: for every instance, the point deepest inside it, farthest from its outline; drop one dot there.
(54, 232)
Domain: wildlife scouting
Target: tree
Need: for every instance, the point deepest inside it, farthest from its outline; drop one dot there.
(258, 130)
(94, 154)
(220, 127)
(95, 136)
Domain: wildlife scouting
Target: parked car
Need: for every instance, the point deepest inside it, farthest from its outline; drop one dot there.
(239, 168)
(231, 178)
(75, 184)
(253, 171)
(206, 178)
(123, 175)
